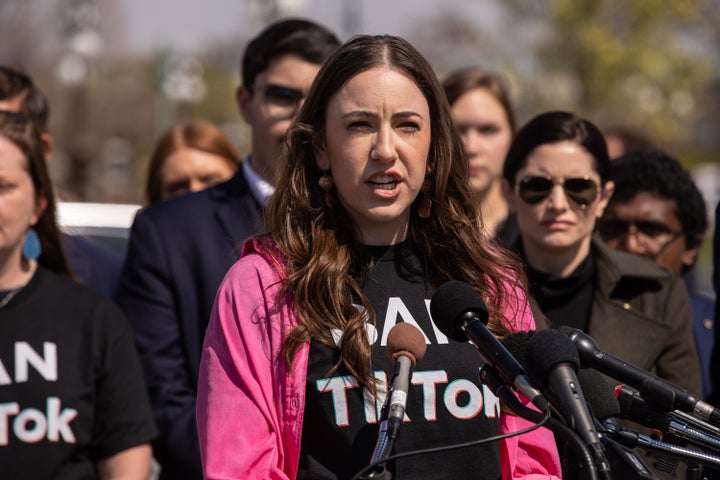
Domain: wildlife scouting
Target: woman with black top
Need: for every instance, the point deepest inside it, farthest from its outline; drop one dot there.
(372, 213)
(557, 177)
(484, 115)
(72, 395)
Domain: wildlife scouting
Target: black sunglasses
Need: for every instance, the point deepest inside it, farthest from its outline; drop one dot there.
(278, 94)
(582, 190)
(282, 102)
(14, 116)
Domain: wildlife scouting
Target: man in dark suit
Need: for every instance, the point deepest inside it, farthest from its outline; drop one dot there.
(180, 249)
(658, 212)
(92, 264)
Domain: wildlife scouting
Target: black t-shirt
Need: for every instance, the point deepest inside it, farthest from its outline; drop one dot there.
(446, 403)
(71, 385)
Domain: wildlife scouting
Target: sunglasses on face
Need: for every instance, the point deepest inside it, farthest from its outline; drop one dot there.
(14, 116)
(282, 102)
(614, 228)
(535, 189)
(282, 95)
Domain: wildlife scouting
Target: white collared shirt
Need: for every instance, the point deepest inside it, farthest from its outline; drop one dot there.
(261, 189)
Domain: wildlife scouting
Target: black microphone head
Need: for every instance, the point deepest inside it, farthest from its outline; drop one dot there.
(599, 393)
(405, 339)
(586, 346)
(516, 343)
(547, 348)
(452, 300)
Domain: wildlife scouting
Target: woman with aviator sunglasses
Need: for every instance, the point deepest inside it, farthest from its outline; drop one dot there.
(557, 180)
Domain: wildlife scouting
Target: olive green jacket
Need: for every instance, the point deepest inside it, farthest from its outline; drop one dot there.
(641, 313)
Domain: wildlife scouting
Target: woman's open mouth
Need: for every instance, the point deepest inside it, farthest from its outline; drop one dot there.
(384, 182)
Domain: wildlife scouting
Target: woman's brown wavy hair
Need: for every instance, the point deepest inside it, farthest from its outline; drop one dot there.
(321, 242)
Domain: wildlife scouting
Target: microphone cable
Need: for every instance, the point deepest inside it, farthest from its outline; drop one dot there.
(458, 446)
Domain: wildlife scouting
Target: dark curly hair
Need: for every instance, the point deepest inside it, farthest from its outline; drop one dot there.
(656, 172)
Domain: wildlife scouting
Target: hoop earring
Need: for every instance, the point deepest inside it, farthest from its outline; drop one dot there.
(326, 184)
(425, 202)
(32, 249)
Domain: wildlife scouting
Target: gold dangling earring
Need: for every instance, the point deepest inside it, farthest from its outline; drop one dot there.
(425, 202)
(326, 184)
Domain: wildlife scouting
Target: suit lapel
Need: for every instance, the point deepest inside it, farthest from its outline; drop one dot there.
(236, 210)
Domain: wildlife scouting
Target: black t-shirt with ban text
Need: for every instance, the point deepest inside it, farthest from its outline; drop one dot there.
(446, 402)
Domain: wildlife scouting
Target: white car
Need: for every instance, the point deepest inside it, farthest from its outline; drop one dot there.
(106, 223)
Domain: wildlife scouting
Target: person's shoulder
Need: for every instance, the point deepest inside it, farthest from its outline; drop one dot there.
(177, 206)
(68, 291)
(626, 276)
(179, 214)
(261, 258)
(195, 205)
(631, 265)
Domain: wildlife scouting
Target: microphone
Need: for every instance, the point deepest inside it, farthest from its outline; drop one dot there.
(633, 407)
(620, 458)
(490, 377)
(516, 344)
(406, 347)
(662, 393)
(552, 357)
(599, 392)
(609, 399)
(632, 439)
(460, 313)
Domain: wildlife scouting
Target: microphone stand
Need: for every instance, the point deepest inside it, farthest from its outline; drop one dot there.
(657, 392)
(625, 462)
(693, 429)
(384, 444)
(383, 447)
(588, 470)
(674, 422)
(697, 438)
(690, 456)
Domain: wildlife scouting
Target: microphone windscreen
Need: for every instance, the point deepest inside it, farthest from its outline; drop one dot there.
(548, 348)
(451, 300)
(599, 393)
(406, 339)
(566, 330)
(516, 343)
